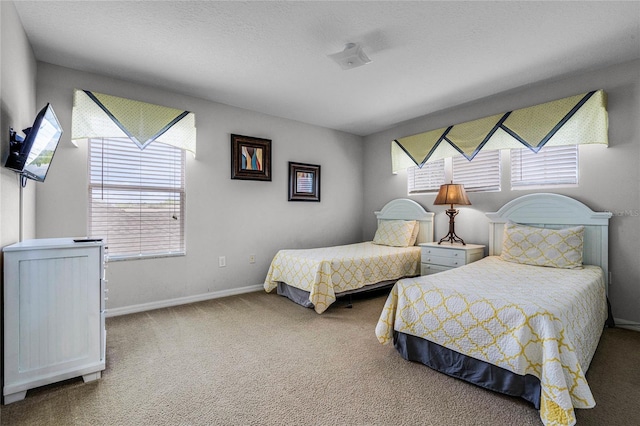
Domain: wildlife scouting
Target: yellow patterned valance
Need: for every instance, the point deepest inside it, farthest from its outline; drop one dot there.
(96, 115)
(580, 119)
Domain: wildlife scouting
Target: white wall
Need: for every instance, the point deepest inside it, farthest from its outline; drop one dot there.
(17, 110)
(609, 177)
(225, 217)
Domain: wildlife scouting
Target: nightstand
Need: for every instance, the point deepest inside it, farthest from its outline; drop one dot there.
(440, 257)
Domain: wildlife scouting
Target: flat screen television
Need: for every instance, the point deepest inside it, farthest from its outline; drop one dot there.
(31, 156)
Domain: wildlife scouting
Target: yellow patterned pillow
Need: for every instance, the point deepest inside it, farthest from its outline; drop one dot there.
(414, 234)
(557, 248)
(395, 233)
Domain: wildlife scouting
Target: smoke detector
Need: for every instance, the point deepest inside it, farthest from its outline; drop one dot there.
(351, 57)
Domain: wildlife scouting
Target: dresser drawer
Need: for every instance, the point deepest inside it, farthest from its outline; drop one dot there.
(436, 258)
(442, 252)
(449, 261)
(427, 269)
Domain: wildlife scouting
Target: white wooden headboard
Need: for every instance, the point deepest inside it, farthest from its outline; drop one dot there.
(555, 211)
(406, 209)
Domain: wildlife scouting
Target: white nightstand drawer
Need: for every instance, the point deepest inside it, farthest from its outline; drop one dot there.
(441, 252)
(427, 269)
(436, 258)
(453, 261)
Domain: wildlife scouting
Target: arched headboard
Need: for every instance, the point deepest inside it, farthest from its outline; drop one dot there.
(406, 209)
(555, 211)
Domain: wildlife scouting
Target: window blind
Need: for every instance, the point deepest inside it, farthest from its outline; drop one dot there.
(480, 174)
(425, 179)
(137, 197)
(552, 165)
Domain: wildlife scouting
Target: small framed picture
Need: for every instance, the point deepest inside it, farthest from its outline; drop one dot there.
(304, 182)
(250, 158)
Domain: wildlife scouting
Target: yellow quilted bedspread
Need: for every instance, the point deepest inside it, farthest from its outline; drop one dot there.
(325, 271)
(527, 319)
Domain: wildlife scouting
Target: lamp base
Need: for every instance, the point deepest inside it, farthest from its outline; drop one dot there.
(451, 236)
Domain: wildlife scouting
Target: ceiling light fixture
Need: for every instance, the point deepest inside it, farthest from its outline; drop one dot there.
(351, 57)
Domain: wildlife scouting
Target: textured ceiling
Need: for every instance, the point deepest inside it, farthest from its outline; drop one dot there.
(271, 56)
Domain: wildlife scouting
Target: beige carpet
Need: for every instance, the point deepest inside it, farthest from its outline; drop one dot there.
(259, 359)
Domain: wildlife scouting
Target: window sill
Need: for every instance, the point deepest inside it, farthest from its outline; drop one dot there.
(144, 256)
(547, 186)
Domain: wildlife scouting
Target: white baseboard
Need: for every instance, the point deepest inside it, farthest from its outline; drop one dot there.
(132, 309)
(627, 324)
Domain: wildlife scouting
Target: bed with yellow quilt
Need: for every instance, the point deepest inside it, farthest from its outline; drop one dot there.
(316, 277)
(527, 319)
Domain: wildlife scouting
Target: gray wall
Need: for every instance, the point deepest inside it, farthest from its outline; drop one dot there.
(17, 110)
(609, 177)
(224, 217)
(238, 218)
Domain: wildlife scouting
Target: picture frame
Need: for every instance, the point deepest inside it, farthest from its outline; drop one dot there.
(304, 182)
(250, 158)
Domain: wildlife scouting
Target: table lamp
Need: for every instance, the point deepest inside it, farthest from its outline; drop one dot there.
(451, 193)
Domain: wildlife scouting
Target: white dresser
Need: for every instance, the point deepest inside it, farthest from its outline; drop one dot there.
(440, 257)
(54, 304)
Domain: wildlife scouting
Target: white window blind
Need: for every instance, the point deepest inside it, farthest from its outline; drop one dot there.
(480, 174)
(425, 179)
(137, 197)
(552, 165)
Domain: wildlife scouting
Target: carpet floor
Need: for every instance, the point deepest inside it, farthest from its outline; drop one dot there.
(259, 359)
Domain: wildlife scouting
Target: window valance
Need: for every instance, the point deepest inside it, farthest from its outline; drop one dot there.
(580, 119)
(96, 115)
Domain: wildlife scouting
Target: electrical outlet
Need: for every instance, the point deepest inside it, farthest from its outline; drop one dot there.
(252, 258)
(222, 261)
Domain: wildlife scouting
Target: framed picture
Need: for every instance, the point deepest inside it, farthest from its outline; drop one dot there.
(304, 182)
(250, 158)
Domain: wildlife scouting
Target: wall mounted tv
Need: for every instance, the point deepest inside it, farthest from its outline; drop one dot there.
(31, 156)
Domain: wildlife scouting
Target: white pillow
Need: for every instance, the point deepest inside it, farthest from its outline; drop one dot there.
(395, 233)
(557, 248)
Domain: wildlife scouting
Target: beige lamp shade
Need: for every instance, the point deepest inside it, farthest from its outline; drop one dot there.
(452, 193)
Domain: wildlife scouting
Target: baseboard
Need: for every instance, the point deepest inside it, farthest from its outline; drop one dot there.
(132, 309)
(627, 324)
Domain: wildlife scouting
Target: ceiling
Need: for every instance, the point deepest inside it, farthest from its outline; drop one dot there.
(271, 56)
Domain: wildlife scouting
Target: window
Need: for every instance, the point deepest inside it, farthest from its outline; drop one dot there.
(552, 165)
(425, 179)
(137, 197)
(480, 174)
